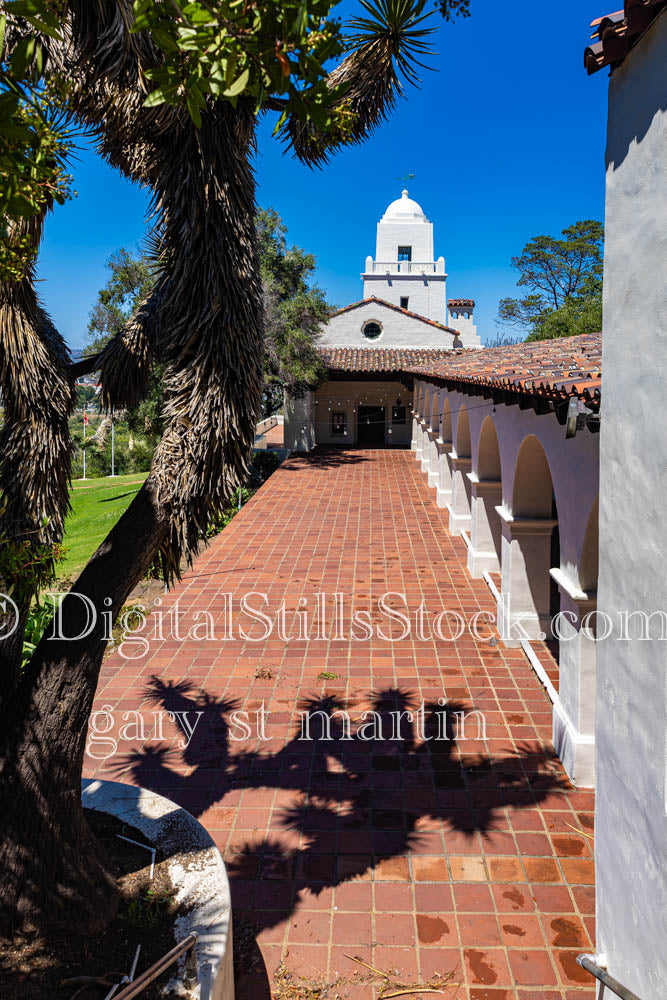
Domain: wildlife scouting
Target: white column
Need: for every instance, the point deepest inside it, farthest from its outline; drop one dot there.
(574, 713)
(526, 588)
(426, 447)
(419, 450)
(444, 486)
(433, 457)
(459, 507)
(485, 530)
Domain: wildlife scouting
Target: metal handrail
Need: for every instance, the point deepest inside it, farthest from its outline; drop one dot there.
(587, 962)
(190, 980)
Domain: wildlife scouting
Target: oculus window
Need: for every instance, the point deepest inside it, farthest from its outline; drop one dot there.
(371, 330)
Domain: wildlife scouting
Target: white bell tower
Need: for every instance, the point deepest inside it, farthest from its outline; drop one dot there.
(404, 271)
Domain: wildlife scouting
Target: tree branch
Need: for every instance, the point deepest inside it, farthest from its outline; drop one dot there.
(86, 366)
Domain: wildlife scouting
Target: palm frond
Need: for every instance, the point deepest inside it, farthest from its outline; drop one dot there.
(386, 47)
(396, 25)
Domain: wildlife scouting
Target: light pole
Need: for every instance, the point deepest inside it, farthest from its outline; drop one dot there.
(85, 422)
(113, 446)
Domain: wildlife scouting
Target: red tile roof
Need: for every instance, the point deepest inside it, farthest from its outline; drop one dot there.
(462, 303)
(379, 359)
(553, 369)
(406, 312)
(616, 33)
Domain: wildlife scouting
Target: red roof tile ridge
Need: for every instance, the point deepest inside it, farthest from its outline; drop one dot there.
(618, 32)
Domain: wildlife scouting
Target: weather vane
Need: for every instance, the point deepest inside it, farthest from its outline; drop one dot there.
(406, 177)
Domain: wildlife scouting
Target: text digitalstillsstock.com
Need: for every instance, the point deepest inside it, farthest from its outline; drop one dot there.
(326, 618)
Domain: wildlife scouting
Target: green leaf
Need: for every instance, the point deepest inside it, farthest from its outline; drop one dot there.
(239, 85)
(155, 98)
(193, 108)
(164, 40)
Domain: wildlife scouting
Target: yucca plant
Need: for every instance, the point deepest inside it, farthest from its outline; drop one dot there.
(171, 90)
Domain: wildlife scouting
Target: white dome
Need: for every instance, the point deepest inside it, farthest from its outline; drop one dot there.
(404, 209)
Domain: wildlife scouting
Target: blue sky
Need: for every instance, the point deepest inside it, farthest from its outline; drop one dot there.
(506, 141)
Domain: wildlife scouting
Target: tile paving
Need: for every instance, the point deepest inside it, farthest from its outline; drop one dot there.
(426, 852)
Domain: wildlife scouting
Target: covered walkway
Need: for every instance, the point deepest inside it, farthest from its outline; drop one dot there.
(401, 840)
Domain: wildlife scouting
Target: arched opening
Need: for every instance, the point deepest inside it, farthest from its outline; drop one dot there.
(534, 543)
(444, 468)
(435, 414)
(460, 508)
(533, 487)
(463, 434)
(446, 423)
(488, 462)
(433, 440)
(486, 550)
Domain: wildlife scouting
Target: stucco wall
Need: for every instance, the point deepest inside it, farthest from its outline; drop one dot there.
(426, 296)
(631, 826)
(346, 397)
(391, 235)
(398, 330)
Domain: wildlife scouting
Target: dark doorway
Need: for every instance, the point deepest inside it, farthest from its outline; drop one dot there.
(370, 427)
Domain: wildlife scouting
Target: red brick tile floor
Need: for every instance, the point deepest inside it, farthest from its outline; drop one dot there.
(424, 853)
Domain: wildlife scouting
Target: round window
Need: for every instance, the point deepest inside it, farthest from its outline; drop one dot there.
(372, 330)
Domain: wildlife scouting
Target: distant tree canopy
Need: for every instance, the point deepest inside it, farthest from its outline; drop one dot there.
(132, 278)
(564, 276)
(294, 311)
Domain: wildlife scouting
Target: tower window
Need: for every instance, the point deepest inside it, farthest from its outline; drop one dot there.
(405, 253)
(404, 301)
(371, 330)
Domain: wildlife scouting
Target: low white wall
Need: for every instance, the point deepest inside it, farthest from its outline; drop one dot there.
(631, 821)
(197, 873)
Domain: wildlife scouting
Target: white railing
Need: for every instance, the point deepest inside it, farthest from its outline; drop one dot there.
(406, 267)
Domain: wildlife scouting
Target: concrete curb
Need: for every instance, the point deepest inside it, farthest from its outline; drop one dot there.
(201, 882)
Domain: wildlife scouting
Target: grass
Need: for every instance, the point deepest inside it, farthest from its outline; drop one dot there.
(96, 506)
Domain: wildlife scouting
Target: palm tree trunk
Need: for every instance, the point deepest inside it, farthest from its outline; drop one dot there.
(212, 318)
(52, 869)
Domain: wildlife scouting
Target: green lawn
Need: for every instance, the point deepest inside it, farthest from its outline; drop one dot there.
(96, 506)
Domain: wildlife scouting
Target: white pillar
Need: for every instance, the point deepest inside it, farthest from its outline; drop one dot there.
(524, 610)
(426, 447)
(574, 713)
(459, 506)
(433, 457)
(444, 487)
(485, 530)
